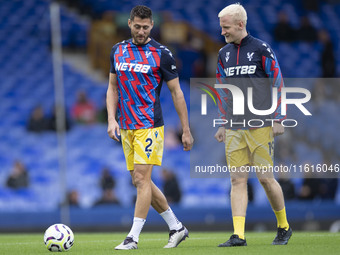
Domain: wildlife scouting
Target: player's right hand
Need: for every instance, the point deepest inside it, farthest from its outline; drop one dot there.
(113, 129)
(220, 134)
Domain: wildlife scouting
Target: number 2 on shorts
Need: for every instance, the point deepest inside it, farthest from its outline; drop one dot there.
(147, 149)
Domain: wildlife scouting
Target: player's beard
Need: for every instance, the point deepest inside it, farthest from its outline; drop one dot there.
(140, 40)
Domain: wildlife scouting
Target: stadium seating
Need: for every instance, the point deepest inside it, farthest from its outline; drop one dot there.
(26, 80)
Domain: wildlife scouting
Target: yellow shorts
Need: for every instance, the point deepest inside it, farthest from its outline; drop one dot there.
(254, 147)
(143, 146)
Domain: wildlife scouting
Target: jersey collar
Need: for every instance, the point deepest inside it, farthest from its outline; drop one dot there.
(244, 41)
(151, 39)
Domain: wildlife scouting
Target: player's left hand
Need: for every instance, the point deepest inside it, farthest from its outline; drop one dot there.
(187, 141)
(278, 129)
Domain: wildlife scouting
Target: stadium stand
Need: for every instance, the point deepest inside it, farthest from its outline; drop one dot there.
(27, 80)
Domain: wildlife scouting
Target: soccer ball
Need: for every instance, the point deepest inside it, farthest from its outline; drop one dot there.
(58, 237)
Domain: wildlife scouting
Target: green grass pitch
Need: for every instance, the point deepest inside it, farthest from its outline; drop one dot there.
(301, 243)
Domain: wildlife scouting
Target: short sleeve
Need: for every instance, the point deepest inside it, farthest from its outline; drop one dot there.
(168, 65)
(112, 59)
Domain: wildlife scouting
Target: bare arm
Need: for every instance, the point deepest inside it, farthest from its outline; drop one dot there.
(182, 111)
(111, 105)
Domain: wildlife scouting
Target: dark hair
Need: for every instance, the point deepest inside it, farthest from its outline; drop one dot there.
(141, 11)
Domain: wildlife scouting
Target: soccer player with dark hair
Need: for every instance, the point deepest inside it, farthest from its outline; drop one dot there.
(247, 62)
(138, 67)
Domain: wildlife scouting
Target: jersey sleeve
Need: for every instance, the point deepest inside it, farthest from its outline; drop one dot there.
(223, 93)
(272, 69)
(168, 65)
(112, 59)
(219, 69)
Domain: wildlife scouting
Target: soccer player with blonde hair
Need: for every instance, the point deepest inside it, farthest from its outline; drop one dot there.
(248, 62)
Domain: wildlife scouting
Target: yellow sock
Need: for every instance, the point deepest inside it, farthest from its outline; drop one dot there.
(239, 222)
(281, 218)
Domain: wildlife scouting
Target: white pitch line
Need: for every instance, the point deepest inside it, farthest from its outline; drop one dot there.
(143, 240)
(96, 241)
(318, 235)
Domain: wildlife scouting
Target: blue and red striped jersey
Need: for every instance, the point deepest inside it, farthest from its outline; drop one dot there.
(140, 71)
(250, 64)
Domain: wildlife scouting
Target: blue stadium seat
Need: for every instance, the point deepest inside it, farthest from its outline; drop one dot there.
(89, 149)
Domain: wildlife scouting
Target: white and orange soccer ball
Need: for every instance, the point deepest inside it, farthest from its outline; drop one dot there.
(58, 237)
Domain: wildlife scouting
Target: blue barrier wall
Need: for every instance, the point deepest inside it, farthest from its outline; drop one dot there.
(117, 218)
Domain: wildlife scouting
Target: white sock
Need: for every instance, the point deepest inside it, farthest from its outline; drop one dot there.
(171, 220)
(136, 228)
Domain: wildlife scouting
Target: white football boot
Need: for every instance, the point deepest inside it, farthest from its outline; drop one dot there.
(127, 244)
(176, 237)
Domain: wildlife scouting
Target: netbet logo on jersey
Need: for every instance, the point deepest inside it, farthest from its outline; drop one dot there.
(237, 70)
(135, 67)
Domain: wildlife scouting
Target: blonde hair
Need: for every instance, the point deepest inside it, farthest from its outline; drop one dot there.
(237, 11)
